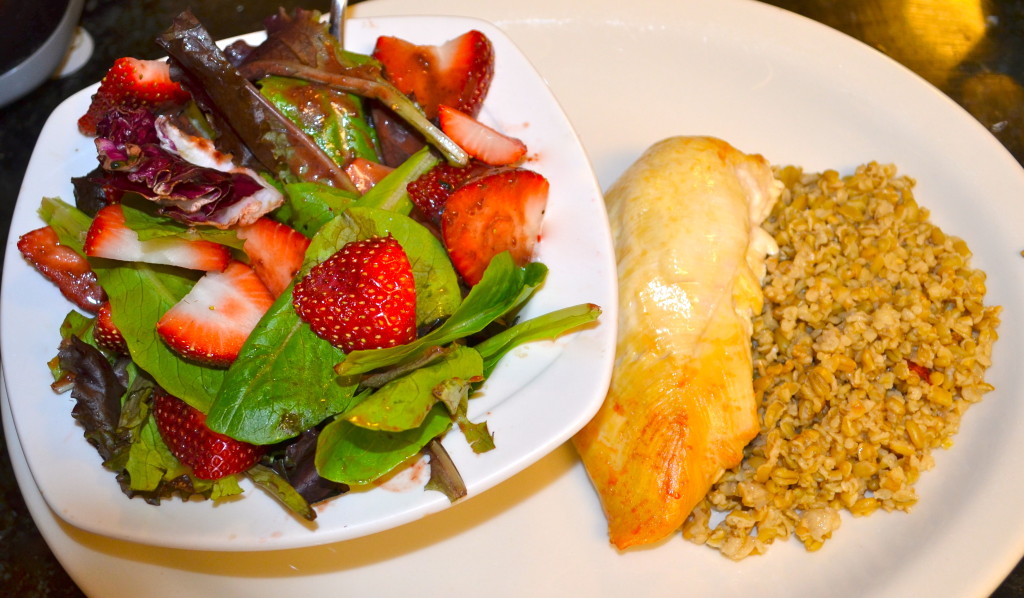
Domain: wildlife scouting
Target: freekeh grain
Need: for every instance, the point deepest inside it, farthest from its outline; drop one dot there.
(873, 342)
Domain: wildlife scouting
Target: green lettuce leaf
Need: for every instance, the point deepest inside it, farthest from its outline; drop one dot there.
(308, 206)
(139, 295)
(350, 454)
(141, 217)
(70, 223)
(403, 403)
(544, 327)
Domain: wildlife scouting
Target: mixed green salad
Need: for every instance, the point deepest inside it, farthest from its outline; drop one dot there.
(292, 263)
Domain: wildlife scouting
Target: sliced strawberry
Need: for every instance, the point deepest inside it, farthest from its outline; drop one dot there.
(106, 333)
(212, 321)
(134, 83)
(111, 238)
(479, 140)
(457, 73)
(432, 189)
(275, 252)
(63, 266)
(362, 297)
(366, 173)
(491, 214)
(210, 455)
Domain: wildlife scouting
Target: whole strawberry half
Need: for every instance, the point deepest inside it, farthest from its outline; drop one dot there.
(133, 83)
(492, 214)
(457, 73)
(362, 297)
(210, 455)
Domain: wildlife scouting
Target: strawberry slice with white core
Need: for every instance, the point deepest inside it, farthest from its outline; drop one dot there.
(109, 237)
(480, 141)
(210, 324)
(275, 252)
(457, 73)
(210, 455)
(492, 214)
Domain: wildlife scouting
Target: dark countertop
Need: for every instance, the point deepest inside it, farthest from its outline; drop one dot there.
(973, 51)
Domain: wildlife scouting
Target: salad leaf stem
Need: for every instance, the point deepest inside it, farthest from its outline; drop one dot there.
(279, 488)
(444, 476)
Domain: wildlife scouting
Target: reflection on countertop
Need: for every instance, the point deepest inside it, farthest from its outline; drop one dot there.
(972, 50)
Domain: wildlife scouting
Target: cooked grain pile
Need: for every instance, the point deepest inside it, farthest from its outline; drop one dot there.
(873, 342)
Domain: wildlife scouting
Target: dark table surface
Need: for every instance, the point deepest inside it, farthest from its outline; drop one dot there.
(982, 69)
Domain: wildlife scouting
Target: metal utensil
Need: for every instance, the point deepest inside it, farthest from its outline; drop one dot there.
(337, 20)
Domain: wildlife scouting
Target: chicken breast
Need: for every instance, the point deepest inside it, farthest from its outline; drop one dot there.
(686, 222)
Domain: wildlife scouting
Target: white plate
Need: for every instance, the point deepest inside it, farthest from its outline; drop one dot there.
(770, 82)
(524, 401)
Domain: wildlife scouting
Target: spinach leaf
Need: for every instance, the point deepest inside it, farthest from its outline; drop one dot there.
(280, 384)
(390, 193)
(308, 206)
(403, 403)
(350, 454)
(334, 119)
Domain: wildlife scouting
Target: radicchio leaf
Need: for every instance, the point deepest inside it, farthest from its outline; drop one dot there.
(91, 191)
(137, 157)
(124, 125)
